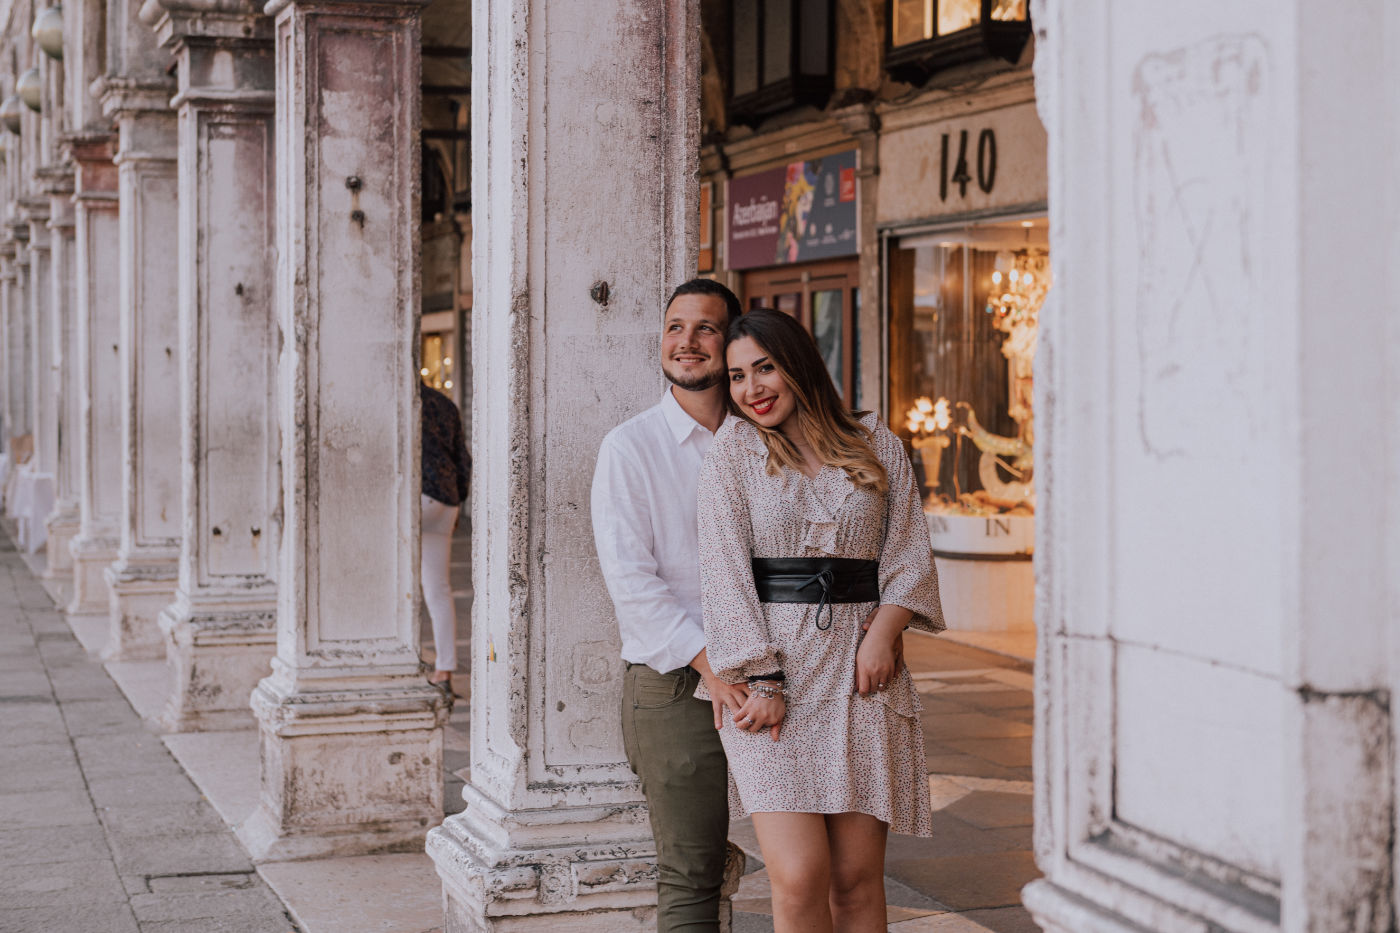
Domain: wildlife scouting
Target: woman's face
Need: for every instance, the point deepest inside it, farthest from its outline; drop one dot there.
(757, 387)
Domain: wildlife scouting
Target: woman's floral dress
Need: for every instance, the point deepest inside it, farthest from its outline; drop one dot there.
(838, 752)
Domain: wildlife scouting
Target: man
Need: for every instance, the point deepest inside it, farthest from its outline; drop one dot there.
(644, 524)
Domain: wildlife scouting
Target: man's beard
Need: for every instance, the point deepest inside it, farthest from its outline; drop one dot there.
(696, 384)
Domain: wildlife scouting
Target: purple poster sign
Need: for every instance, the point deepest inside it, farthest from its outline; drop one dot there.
(804, 211)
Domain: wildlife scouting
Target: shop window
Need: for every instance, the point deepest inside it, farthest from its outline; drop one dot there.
(783, 56)
(825, 297)
(437, 367)
(928, 35)
(964, 311)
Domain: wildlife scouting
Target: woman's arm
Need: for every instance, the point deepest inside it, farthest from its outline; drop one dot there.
(908, 578)
(736, 632)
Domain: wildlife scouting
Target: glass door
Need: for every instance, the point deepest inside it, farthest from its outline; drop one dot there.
(825, 298)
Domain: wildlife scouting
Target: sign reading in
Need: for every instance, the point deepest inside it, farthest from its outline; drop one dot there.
(804, 211)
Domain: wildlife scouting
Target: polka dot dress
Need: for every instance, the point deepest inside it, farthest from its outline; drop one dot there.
(838, 752)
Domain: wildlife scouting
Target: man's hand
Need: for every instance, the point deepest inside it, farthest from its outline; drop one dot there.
(722, 694)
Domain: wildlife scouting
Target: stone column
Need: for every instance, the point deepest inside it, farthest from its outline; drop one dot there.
(142, 579)
(65, 519)
(16, 359)
(1215, 722)
(555, 830)
(22, 377)
(98, 325)
(221, 629)
(351, 732)
(44, 399)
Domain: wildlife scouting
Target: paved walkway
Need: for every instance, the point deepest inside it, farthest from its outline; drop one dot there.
(100, 829)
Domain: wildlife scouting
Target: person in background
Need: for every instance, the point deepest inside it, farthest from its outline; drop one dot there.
(447, 471)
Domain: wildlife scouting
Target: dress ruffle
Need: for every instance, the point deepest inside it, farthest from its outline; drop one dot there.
(819, 500)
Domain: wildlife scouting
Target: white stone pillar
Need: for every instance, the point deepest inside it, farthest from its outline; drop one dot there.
(44, 463)
(221, 629)
(7, 420)
(351, 731)
(97, 319)
(555, 832)
(142, 578)
(65, 519)
(1214, 722)
(16, 358)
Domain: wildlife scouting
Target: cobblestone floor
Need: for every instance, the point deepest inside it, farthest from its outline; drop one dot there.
(100, 829)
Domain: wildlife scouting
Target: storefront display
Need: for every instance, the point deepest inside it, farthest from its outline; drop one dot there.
(964, 316)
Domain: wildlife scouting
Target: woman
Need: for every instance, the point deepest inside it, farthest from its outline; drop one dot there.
(446, 480)
(810, 525)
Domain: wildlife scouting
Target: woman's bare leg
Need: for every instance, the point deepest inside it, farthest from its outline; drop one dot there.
(797, 855)
(857, 846)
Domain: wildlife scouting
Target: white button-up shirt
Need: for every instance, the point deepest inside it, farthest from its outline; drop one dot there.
(644, 526)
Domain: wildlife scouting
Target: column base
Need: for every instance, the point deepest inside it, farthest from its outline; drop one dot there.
(1057, 910)
(64, 523)
(596, 872)
(216, 654)
(92, 555)
(353, 768)
(138, 595)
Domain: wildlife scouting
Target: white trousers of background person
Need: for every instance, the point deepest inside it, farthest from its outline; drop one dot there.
(438, 522)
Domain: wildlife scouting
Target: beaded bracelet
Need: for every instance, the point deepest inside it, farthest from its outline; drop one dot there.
(768, 689)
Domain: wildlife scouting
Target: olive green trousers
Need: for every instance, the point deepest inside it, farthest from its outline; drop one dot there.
(673, 746)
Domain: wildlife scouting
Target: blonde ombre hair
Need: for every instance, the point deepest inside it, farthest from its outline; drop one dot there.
(836, 436)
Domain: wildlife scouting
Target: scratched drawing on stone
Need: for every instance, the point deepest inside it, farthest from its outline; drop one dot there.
(1200, 200)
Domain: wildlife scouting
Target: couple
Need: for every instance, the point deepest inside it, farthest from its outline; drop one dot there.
(765, 548)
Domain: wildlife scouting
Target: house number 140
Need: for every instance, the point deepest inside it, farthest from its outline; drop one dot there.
(961, 174)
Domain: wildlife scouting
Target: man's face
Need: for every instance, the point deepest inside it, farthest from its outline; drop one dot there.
(692, 342)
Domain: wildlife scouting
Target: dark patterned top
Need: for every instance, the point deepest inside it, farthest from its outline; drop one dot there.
(447, 467)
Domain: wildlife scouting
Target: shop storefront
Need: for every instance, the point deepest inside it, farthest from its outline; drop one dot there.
(967, 267)
(955, 234)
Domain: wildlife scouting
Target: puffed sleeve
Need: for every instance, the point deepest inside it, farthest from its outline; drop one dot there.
(736, 633)
(908, 577)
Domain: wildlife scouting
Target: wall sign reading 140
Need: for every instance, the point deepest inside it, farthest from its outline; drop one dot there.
(961, 174)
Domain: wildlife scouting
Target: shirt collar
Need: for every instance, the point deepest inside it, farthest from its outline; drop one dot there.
(681, 424)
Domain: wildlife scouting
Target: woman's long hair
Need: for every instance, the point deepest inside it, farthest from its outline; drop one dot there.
(837, 438)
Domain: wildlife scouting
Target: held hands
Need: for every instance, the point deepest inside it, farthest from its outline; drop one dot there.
(722, 694)
(760, 713)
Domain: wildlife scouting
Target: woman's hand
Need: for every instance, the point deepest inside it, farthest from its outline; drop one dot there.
(759, 713)
(877, 662)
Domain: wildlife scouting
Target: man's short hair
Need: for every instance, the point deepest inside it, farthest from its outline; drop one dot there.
(712, 289)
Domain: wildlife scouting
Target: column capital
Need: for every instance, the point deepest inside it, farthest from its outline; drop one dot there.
(95, 174)
(122, 96)
(34, 210)
(220, 22)
(55, 179)
(376, 9)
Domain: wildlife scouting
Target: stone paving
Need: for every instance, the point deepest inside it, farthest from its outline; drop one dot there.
(100, 830)
(85, 847)
(977, 733)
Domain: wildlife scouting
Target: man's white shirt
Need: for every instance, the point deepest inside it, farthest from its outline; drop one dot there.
(644, 526)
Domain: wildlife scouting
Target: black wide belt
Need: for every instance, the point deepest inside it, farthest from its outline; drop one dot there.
(821, 580)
